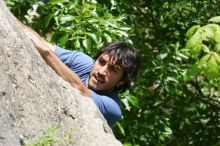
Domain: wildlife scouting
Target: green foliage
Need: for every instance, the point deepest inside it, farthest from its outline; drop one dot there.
(175, 100)
(51, 137)
(20, 7)
(202, 46)
(79, 24)
(167, 101)
(215, 19)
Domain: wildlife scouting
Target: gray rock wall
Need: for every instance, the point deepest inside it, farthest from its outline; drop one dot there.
(33, 97)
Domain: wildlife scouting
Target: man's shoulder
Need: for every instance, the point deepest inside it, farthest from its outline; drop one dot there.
(74, 56)
(84, 56)
(106, 98)
(109, 106)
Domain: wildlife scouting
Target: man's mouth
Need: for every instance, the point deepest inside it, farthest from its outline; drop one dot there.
(99, 79)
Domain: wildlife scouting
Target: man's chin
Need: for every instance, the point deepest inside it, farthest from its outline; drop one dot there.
(99, 89)
(94, 88)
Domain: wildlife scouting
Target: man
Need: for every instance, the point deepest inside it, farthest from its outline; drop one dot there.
(114, 67)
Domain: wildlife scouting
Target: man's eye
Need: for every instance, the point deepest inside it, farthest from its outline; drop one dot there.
(112, 68)
(101, 62)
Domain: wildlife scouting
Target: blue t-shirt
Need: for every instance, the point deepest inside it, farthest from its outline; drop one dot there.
(81, 64)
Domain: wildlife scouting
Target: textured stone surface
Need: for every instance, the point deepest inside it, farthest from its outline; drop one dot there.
(32, 96)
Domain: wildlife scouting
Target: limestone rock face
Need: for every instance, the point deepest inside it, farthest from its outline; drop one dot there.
(33, 97)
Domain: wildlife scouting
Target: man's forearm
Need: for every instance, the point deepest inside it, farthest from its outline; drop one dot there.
(65, 72)
(47, 52)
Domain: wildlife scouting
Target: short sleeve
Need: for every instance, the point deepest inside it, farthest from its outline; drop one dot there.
(109, 107)
(78, 61)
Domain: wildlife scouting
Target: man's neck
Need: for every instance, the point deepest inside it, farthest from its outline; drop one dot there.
(100, 92)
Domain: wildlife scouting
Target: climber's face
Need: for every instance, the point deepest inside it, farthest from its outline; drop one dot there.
(106, 74)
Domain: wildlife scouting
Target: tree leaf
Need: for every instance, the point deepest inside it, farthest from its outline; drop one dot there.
(93, 36)
(182, 55)
(87, 43)
(205, 48)
(194, 40)
(215, 19)
(128, 144)
(217, 35)
(77, 44)
(125, 28)
(203, 61)
(66, 18)
(121, 128)
(55, 2)
(162, 56)
(196, 50)
(217, 47)
(133, 100)
(213, 27)
(122, 33)
(111, 24)
(126, 104)
(192, 30)
(107, 37)
(208, 31)
(197, 68)
(93, 20)
(47, 20)
(212, 70)
(63, 40)
(217, 57)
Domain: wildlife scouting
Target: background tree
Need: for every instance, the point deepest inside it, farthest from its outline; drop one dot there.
(171, 103)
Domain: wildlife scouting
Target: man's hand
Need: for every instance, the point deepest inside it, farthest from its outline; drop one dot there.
(37, 41)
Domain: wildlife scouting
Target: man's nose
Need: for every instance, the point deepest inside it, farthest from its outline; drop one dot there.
(103, 70)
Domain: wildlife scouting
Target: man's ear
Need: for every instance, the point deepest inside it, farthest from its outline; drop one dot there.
(120, 83)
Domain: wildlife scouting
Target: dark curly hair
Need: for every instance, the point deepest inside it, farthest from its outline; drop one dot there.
(126, 56)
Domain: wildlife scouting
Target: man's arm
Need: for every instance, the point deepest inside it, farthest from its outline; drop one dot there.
(47, 52)
(65, 72)
(35, 34)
